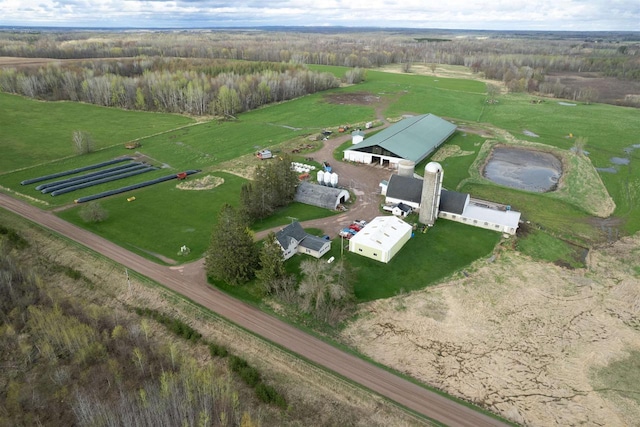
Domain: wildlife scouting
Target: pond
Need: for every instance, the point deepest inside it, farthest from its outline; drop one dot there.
(524, 169)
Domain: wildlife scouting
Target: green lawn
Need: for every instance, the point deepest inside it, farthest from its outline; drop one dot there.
(426, 259)
(163, 218)
(544, 247)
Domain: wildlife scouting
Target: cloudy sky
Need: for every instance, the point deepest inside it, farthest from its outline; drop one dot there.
(589, 15)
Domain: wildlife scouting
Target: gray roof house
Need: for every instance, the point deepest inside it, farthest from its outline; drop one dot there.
(293, 239)
(413, 138)
(320, 195)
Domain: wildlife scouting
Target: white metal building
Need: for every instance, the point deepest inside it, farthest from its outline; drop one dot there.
(381, 238)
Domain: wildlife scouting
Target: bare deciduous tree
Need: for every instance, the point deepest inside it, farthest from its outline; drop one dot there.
(83, 142)
(324, 287)
(93, 212)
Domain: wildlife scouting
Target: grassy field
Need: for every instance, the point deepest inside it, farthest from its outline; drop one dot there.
(163, 218)
(619, 380)
(35, 132)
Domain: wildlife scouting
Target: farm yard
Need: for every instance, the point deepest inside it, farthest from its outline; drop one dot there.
(441, 278)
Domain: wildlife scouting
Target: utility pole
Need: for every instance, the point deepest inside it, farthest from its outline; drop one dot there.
(126, 272)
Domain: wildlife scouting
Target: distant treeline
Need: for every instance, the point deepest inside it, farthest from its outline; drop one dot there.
(177, 85)
(522, 61)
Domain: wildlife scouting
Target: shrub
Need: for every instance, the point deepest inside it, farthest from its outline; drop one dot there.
(73, 273)
(236, 363)
(250, 375)
(217, 350)
(15, 240)
(268, 394)
(176, 326)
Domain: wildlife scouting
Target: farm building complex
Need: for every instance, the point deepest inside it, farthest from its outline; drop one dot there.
(432, 201)
(413, 139)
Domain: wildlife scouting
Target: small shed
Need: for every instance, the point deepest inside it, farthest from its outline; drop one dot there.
(320, 195)
(401, 210)
(357, 136)
(264, 154)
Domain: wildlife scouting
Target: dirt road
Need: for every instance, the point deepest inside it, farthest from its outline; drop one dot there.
(363, 181)
(194, 287)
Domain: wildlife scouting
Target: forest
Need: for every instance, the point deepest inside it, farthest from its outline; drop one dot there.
(216, 72)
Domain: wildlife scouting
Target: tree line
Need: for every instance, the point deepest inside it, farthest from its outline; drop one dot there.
(613, 54)
(168, 85)
(70, 362)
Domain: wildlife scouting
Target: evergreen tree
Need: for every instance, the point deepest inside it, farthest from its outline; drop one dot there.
(250, 203)
(274, 185)
(232, 255)
(271, 263)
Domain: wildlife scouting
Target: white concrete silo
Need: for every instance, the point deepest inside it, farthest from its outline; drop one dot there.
(320, 177)
(431, 188)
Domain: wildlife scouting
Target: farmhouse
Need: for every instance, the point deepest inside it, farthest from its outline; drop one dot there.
(293, 239)
(381, 238)
(413, 138)
(320, 195)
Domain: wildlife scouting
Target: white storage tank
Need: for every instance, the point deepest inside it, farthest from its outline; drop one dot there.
(406, 168)
(334, 179)
(327, 178)
(320, 177)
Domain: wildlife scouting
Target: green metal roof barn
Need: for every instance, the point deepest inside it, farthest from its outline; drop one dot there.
(413, 138)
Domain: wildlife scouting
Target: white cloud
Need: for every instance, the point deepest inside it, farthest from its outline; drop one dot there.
(621, 15)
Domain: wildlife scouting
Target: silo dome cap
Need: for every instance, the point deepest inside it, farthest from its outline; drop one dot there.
(433, 167)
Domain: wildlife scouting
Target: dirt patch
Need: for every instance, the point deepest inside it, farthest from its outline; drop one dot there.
(519, 345)
(609, 90)
(205, 183)
(353, 98)
(449, 151)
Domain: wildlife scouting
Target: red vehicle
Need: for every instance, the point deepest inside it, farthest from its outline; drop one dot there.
(355, 226)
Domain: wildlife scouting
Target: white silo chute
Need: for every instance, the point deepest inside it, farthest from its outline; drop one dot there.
(334, 179)
(327, 178)
(320, 177)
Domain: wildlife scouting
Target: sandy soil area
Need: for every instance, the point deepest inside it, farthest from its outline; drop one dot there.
(520, 338)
